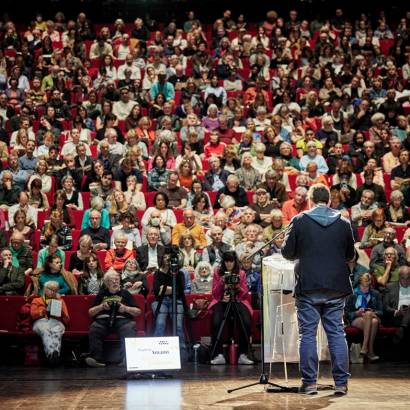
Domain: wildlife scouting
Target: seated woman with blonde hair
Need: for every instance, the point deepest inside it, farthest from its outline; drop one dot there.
(188, 256)
(119, 206)
(133, 196)
(364, 310)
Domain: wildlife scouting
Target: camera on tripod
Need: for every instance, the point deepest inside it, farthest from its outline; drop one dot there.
(231, 279)
(172, 252)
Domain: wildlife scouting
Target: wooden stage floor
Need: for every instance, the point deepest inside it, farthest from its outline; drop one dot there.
(374, 387)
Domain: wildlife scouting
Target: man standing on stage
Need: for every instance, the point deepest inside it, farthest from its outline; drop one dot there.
(321, 241)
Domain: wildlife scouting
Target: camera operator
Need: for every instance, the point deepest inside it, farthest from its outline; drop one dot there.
(114, 310)
(163, 294)
(229, 282)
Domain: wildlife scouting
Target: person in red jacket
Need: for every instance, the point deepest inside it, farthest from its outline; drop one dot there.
(116, 258)
(50, 316)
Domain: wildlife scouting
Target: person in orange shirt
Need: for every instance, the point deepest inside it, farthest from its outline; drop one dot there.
(116, 258)
(185, 173)
(314, 177)
(295, 206)
(48, 321)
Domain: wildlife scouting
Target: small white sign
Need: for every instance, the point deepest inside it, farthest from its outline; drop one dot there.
(152, 353)
(55, 307)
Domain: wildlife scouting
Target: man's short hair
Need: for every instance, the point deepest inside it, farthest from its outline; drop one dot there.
(319, 193)
(110, 274)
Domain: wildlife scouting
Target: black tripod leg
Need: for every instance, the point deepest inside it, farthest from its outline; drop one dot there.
(243, 387)
(243, 327)
(221, 328)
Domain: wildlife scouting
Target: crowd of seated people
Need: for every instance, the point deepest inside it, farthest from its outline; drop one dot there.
(117, 142)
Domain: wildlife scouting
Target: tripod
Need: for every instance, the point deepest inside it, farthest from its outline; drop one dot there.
(231, 305)
(264, 378)
(171, 270)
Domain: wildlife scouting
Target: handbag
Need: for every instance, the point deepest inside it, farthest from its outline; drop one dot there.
(198, 309)
(355, 357)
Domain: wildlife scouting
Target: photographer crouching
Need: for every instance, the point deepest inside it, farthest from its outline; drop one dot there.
(114, 310)
(229, 300)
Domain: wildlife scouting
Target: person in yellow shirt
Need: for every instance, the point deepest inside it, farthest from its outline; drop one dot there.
(301, 145)
(189, 225)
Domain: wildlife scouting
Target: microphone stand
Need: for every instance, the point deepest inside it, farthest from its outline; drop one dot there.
(264, 378)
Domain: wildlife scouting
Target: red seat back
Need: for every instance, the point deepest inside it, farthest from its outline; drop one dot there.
(9, 308)
(78, 306)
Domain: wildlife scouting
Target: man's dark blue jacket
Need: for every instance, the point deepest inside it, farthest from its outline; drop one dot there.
(321, 241)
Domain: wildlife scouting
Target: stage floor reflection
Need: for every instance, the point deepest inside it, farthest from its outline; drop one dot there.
(376, 386)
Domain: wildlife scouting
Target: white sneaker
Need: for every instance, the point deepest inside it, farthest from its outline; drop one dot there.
(243, 359)
(220, 359)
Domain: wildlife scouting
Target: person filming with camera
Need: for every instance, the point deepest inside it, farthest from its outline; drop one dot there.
(229, 286)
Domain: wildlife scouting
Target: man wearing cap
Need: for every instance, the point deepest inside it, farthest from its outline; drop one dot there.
(162, 86)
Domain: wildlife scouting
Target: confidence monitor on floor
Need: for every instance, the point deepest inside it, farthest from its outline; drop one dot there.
(151, 355)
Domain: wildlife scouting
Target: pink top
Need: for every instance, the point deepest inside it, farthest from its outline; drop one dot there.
(218, 288)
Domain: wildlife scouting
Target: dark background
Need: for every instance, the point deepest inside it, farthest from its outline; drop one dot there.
(207, 10)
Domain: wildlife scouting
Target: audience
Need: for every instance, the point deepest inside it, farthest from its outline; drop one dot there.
(295, 112)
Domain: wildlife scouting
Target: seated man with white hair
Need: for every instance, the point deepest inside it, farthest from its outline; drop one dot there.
(233, 189)
(189, 225)
(114, 309)
(115, 147)
(312, 155)
(99, 235)
(212, 254)
(295, 206)
(117, 256)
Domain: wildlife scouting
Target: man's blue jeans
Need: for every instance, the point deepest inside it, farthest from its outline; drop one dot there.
(161, 320)
(310, 309)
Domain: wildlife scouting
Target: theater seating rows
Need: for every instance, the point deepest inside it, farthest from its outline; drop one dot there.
(80, 321)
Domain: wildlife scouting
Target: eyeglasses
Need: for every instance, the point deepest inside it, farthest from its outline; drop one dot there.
(52, 289)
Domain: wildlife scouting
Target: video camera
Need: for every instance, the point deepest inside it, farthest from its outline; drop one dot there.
(231, 279)
(173, 256)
